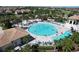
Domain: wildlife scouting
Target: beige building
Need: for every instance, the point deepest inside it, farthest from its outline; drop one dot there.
(11, 36)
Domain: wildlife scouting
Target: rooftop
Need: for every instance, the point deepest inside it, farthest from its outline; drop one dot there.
(74, 17)
(11, 35)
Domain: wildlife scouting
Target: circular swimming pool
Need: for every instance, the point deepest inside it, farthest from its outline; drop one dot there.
(47, 32)
(42, 29)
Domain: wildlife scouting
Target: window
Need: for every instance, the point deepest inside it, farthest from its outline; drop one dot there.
(74, 22)
(70, 22)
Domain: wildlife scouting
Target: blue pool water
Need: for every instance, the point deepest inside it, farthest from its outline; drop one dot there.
(62, 36)
(47, 29)
(42, 29)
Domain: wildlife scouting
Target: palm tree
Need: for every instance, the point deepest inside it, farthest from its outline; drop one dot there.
(64, 45)
(75, 37)
(26, 48)
(35, 48)
(67, 45)
(58, 45)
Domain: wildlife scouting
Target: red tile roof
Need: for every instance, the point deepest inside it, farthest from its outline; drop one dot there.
(74, 17)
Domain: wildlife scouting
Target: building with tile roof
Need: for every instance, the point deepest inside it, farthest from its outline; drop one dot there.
(11, 35)
(73, 21)
(74, 17)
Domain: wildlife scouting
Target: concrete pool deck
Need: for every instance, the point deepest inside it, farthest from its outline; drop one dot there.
(61, 29)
